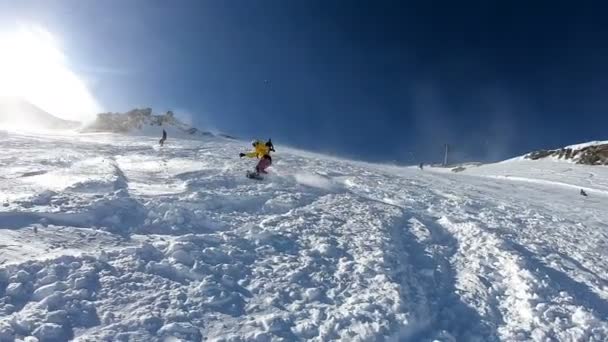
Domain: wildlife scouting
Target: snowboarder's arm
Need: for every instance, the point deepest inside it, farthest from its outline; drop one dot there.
(249, 155)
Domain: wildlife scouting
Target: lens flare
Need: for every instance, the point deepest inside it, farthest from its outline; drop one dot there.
(33, 67)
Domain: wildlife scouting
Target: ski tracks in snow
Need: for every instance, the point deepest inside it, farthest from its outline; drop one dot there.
(511, 285)
(419, 253)
(474, 281)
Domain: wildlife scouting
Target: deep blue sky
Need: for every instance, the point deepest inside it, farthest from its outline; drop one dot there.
(374, 80)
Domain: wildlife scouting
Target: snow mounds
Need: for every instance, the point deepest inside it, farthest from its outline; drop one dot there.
(48, 299)
(315, 181)
(142, 292)
(94, 175)
(181, 330)
(116, 212)
(291, 277)
(323, 286)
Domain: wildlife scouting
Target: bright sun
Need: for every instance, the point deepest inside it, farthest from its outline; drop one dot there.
(34, 68)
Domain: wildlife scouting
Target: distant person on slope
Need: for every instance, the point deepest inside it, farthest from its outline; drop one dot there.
(162, 140)
(261, 151)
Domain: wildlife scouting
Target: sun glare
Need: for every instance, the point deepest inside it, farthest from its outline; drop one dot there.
(34, 68)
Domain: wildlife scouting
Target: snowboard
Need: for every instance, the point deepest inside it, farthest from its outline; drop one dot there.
(254, 175)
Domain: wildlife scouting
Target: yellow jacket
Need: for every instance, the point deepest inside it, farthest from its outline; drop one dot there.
(259, 150)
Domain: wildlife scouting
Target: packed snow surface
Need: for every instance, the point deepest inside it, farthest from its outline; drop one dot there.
(106, 237)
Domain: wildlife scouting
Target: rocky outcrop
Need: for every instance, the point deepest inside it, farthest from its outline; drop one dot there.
(125, 122)
(140, 120)
(588, 155)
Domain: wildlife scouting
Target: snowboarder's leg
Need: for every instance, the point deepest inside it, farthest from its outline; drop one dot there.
(263, 164)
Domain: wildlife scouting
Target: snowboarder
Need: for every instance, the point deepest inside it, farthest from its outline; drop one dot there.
(261, 151)
(583, 193)
(162, 140)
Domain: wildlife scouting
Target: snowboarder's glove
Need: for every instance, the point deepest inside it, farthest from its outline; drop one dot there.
(241, 155)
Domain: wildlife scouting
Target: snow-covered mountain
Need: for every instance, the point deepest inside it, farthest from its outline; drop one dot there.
(17, 112)
(143, 121)
(108, 237)
(591, 153)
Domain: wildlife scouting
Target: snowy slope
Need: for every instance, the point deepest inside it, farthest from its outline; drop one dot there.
(108, 237)
(554, 172)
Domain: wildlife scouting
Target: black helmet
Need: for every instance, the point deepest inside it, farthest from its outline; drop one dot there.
(270, 145)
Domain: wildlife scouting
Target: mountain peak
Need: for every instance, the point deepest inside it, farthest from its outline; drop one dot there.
(18, 112)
